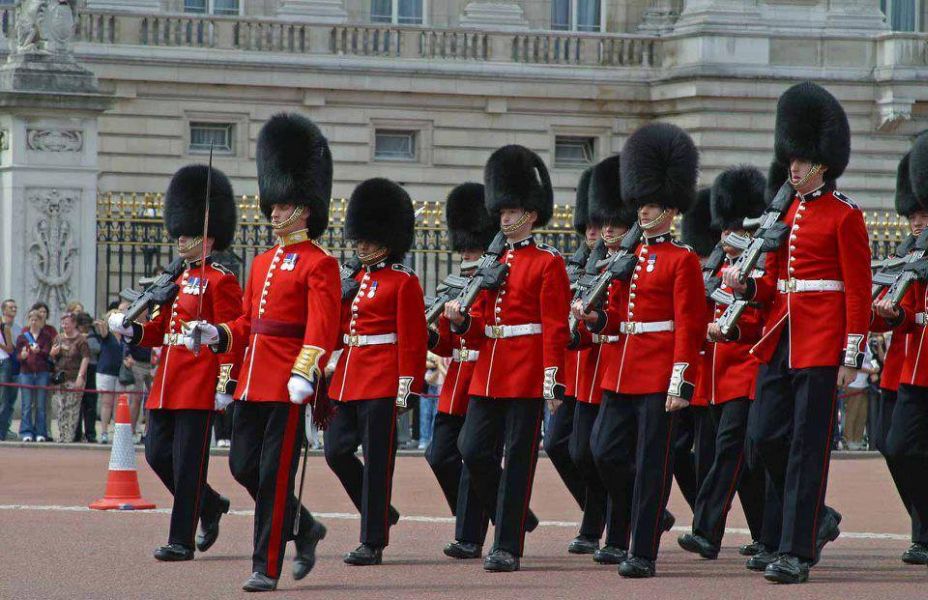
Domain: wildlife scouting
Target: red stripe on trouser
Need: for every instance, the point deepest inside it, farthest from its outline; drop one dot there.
(821, 486)
(281, 489)
(389, 490)
(664, 478)
(531, 477)
(729, 497)
(204, 457)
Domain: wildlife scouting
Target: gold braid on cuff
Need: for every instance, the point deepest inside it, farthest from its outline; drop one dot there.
(225, 375)
(307, 363)
(228, 345)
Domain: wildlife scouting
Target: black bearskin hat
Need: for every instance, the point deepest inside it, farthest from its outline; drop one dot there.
(381, 212)
(185, 205)
(516, 177)
(697, 230)
(606, 204)
(918, 170)
(906, 202)
(295, 167)
(660, 165)
(811, 125)
(582, 206)
(469, 225)
(737, 194)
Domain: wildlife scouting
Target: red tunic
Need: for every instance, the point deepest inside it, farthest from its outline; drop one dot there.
(536, 293)
(915, 363)
(892, 363)
(389, 301)
(290, 318)
(184, 380)
(828, 241)
(454, 392)
(666, 287)
(572, 369)
(597, 352)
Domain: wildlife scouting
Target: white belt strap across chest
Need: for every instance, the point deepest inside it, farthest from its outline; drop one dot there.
(369, 340)
(458, 355)
(175, 339)
(793, 286)
(506, 331)
(605, 339)
(638, 327)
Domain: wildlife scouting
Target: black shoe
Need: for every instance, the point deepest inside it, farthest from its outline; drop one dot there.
(828, 531)
(761, 560)
(531, 522)
(751, 549)
(305, 558)
(917, 554)
(209, 526)
(500, 561)
(463, 550)
(259, 582)
(364, 556)
(787, 569)
(667, 521)
(610, 555)
(174, 553)
(394, 516)
(698, 545)
(636, 567)
(583, 545)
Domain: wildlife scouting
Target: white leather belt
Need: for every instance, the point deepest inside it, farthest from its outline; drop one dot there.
(605, 339)
(175, 339)
(458, 355)
(792, 285)
(369, 340)
(920, 318)
(506, 331)
(637, 327)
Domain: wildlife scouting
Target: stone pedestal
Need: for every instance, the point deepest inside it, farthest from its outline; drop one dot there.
(317, 11)
(494, 15)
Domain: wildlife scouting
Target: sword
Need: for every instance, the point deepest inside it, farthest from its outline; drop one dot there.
(299, 498)
(197, 334)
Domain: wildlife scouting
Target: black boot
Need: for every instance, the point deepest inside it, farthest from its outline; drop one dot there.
(828, 531)
(917, 554)
(463, 550)
(636, 567)
(174, 553)
(305, 558)
(583, 545)
(610, 555)
(531, 522)
(667, 521)
(259, 582)
(698, 545)
(394, 516)
(364, 555)
(209, 526)
(501, 561)
(761, 560)
(787, 569)
(750, 549)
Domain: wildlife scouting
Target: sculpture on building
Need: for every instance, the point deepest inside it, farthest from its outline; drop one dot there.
(53, 251)
(44, 26)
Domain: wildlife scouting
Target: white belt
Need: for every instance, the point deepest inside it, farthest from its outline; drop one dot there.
(369, 340)
(792, 285)
(605, 339)
(507, 331)
(636, 327)
(920, 318)
(458, 355)
(175, 339)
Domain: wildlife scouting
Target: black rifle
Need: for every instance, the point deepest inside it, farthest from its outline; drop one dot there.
(710, 280)
(586, 279)
(160, 291)
(576, 263)
(769, 236)
(889, 269)
(449, 289)
(489, 274)
(914, 269)
(348, 271)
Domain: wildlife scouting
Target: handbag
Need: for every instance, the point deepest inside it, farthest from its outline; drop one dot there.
(126, 377)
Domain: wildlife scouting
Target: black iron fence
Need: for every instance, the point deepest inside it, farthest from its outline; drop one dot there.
(132, 242)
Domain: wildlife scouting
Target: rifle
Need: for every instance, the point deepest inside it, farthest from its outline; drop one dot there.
(915, 269)
(160, 291)
(449, 289)
(489, 274)
(584, 281)
(891, 267)
(710, 280)
(769, 236)
(347, 272)
(576, 263)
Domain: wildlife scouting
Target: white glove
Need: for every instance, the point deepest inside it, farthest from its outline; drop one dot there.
(114, 322)
(209, 334)
(222, 401)
(300, 389)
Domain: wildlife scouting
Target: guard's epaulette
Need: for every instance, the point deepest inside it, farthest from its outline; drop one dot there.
(321, 247)
(221, 268)
(680, 244)
(402, 268)
(548, 248)
(844, 198)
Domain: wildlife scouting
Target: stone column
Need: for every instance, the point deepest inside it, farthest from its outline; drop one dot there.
(49, 106)
(318, 11)
(151, 7)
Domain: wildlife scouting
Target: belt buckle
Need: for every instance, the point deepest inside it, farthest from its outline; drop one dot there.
(792, 284)
(497, 331)
(631, 327)
(354, 340)
(172, 339)
(464, 354)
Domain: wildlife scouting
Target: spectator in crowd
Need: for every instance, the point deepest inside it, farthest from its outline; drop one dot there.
(87, 423)
(9, 366)
(108, 365)
(44, 314)
(33, 347)
(72, 358)
(435, 371)
(139, 362)
(74, 307)
(856, 400)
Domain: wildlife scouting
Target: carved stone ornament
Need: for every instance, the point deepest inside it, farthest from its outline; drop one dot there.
(892, 111)
(53, 250)
(55, 140)
(43, 26)
(4, 139)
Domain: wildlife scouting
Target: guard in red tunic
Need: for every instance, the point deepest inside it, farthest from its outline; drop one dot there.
(654, 374)
(521, 331)
(817, 284)
(382, 365)
(188, 387)
(727, 377)
(903, 443)
(289, 325)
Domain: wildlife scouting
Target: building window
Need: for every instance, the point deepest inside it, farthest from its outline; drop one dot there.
(213, 7)
(392, 144)
(574, 151)
(218, 136)
(577, 15)
(902, 15)
(400, 12)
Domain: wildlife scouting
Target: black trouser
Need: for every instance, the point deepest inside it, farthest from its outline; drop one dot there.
(222, 424)
(727, 474)
(633, 446)
(177, 449)
(684, 462)
(907, 454)
(514, 424)
(87, 423)
(265, 454)
(704, 442)
(557, 447)
(791, 425)
(445, 459)
(595, 504)
(372, 424)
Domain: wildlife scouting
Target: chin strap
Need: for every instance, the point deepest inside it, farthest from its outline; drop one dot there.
(296, 214)
(805, 179)
(510, 229)
(374, 257)
(188, 247)
(654, 222)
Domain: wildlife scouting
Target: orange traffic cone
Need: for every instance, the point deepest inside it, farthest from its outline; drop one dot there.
(122, 482)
